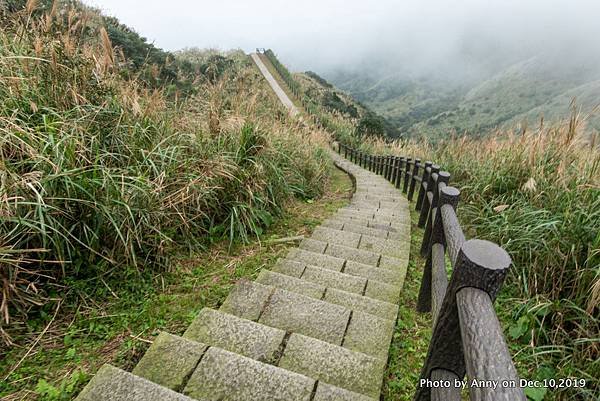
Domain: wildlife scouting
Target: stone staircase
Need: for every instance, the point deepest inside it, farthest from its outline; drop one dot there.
(317, 327)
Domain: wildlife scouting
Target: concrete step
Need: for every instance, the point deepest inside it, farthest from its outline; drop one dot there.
(364, 327)
(334, 365)
(316, 259)
(373, 223)
(337, 263)
(293, 283)
(356, 302)
(234, 334)
(113, 384)
(354, 283)
(289, 311)
(170, 361)
(389, 247)
(334, 257)
(220, 374)
(359, 302)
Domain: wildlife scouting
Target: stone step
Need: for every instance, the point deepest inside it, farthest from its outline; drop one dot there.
(389, 247)
(216, 373)
(332, 279)
(289, 311)
(392, 214)
(333, 236)
(356, 302)
(170, 361)
(357, 255)
(234, 334)
(373, 223)
(329, 321)
(334, 365)
(226, 376)
(394, 277)
(354, 283)
(293, 283)
(316, 259)
(330, 261)
(383, 309)
(114, 384)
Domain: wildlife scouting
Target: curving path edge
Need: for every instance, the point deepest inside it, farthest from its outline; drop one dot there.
(315, 327)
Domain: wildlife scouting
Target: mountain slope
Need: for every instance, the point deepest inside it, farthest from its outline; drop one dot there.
(540, 86)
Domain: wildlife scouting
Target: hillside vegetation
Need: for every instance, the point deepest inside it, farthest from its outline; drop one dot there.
(538, 196)
(517, 95)
(115, 156)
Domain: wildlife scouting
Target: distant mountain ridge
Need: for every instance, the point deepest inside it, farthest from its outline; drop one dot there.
(514, 96)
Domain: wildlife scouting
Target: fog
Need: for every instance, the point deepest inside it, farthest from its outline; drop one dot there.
(417, 37)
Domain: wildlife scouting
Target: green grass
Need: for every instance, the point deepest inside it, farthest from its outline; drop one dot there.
(103, 176)
(413, 330)
(115, 328)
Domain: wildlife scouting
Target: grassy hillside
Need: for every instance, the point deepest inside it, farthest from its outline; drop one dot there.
(516, 96)
(112, 164)
(537, 195)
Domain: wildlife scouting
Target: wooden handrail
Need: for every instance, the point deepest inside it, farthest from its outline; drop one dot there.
(467, 338)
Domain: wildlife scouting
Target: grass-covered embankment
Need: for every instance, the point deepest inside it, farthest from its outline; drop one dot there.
(538, 195)
(109, 169)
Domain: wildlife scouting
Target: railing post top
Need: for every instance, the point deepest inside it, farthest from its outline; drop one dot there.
(428, 164)
(418, 160)
(486, 255)
(443, 176)
(448, 193)
(435, 168)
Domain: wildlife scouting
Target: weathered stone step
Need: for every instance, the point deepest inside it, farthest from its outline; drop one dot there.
(337, 263)
(288, 311)
(334, 222)
(215, 373)
(389, 247)
(358, 302)
(369, 251)
(113, 384)
(338, 366)
(392, 215)
(234, 334)
(292, 282)
(352, 301)
(227, 376)
(329, 321)
(313, 280)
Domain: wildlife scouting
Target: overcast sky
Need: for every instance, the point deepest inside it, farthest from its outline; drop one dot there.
(326, 34)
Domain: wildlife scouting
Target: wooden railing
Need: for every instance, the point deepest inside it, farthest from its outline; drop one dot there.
(467, 339)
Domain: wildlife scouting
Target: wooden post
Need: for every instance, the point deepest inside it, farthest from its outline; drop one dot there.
(482, 265)
(407, 174)
(422, 189)
(443, 177)
(396, 170)
(400, 169)
(413, 181)
(426, 205)
(449, 196)
(345, 152)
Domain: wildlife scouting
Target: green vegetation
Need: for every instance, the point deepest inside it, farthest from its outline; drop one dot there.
(516, 95)
(118, 322)
(332, 110)
(413, 330)
(106, 174)
(538, 196)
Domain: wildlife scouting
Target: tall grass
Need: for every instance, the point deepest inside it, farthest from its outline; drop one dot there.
(537, 194)
(100, 173)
